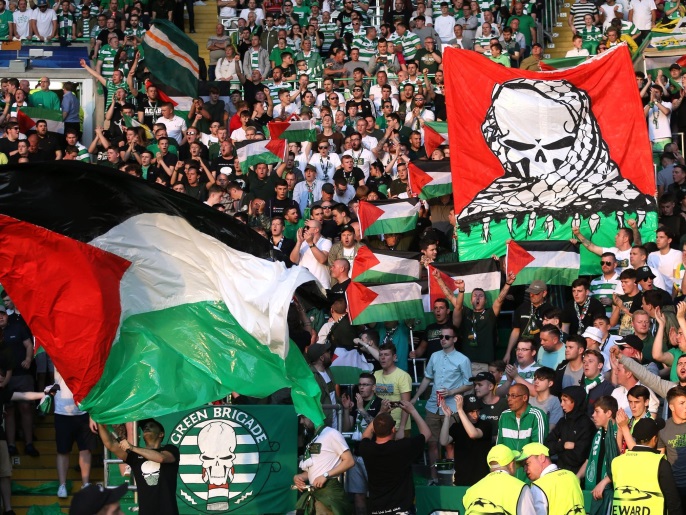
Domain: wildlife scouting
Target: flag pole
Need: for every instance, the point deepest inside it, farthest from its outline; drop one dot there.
(414, 360)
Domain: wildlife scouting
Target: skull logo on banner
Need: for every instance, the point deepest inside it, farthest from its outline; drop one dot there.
(556, 163)
(217, 444)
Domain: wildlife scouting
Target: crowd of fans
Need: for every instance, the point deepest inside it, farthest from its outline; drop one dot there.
(580, 366)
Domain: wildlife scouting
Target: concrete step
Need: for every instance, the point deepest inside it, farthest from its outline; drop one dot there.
(43, 475)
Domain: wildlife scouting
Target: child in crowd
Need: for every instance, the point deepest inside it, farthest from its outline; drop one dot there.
(639, 400)
(544, 378)
(571, 438)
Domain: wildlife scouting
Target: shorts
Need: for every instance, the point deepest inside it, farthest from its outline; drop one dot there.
(435, 422)
(44, 363)
(5, 463)
(22, 383)
(70, 429)
(356, 478)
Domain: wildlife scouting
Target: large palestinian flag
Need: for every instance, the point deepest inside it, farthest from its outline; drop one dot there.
(534, 153)
(554, 262)
(148, 301)
(385, 266)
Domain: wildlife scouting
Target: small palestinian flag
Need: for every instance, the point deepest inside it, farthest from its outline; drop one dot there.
(266, 151)
(435, 135)
(481, 273)
(388, 216)
(296, 130)
(128, 121)
(28, 116)
(555, 262)
(369, 304)
(385, 266)
(430, 179)
(347, 365)
(147, 301)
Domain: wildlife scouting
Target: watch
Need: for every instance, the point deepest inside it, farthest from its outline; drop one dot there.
(326, 475)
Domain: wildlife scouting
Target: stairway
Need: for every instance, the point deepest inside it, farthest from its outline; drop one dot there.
(205, 22)
(562, 35)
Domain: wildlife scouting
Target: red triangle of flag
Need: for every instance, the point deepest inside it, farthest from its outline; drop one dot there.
(277, 147)
(435, 291)
(517, 258)
(681, 61)
(359, 297)
(364, 260)
(161, 94)
(432, 140)
(276, 129)
(418, 178)
(25, 122)
(368, 214)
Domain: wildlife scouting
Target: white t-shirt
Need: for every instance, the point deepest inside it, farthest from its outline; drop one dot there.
(609, 11)
(44, 21)
(362, 158)
(238, 134)
(622, 257)
(620, 393)
(642, 16)
(658, 122)
(325, 167)
(445, 27)
(332, 447)
(176, 127)
(307, 260)
(666, 264)
(21, 22)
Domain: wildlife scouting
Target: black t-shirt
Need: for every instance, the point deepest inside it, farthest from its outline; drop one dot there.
(15, 334)
(276, 207)
(7, 146)
(156, 482)
(151, 111)
(222, 165)
(389, 472)
(49, 145)
(569, 315)
(491, 413)
(528, 326)
(477, 335)
(364, 107)
(102, 37)
(470, 462)
(353, 178)
(373, 183)
(338, 290)
(199, 191)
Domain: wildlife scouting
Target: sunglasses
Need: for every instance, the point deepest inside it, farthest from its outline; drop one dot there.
(447, 337)
(322, 148)
(608, 263)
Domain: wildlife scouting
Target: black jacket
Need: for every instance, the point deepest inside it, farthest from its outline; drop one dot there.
(576, 426)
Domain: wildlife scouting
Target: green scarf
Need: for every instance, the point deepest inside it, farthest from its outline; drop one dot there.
(332, 495)
(603, 451)
(589, 384)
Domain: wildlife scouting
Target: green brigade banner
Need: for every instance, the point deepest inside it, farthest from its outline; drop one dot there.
(535, 154)
(234, 459)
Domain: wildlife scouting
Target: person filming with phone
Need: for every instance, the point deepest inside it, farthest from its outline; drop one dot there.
(312, 252)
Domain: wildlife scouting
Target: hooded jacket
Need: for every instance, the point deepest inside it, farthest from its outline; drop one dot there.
(576, 426)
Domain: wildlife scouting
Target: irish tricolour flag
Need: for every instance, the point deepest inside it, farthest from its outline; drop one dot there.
(555, 262)
(148, 302)
(295, 130)
(430, 179)
(270, 151)
(172, 57)
(385, 266)
(369, 304)
(388, 216)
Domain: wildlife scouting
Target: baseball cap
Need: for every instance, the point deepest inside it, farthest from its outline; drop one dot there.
(483, 376)
(145, 421)
(40, 3)
(533, 449)
(594, 334)
(93, 498)
(537, 286)
(347, 228)
(646, 428)
(317, 350)
(502, 455)
(632, 341)
(472, 403)
(3, 309)
(643, 273)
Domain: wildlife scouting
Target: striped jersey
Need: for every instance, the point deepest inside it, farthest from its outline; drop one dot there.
(107, 55)
(409, 42)
(367, 48)
(328, 31)
(581, 9)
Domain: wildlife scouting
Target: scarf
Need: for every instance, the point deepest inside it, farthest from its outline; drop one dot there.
(330, 495)
(589, 384)
(603, 451)
(581, 314)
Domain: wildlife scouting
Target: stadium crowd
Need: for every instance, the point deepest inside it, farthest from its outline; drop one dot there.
(580, 366)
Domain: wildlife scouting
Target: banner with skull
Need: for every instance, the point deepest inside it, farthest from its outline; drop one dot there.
(535, 153)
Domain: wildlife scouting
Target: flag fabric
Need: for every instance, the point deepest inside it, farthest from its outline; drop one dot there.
(171, 55)
(481, 273)
(381, 303)
(388, 216)
(430, 179)
(28, 116)
(555, 262)
(561, 63)
(296, 130)
(435, 135)
(264, 151)
(128, 121)
(535, 153)
(385, 266)
(160, 93)
(347, 365)
(155, 305)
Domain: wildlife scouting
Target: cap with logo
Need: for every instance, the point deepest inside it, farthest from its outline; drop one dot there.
(472, 403)
(533, 449)
(347, 228)
(483, 376)
(643, 273)
(537, 286)
(647, 428)
(632, 341)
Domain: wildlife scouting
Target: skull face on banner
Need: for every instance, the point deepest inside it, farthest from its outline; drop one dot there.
(554, 159)
(217, 444)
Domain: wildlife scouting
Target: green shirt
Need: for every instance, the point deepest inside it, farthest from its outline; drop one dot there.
(106, 56)
(503, 59)
(47, 99)
(5, 19)
(526, 23)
